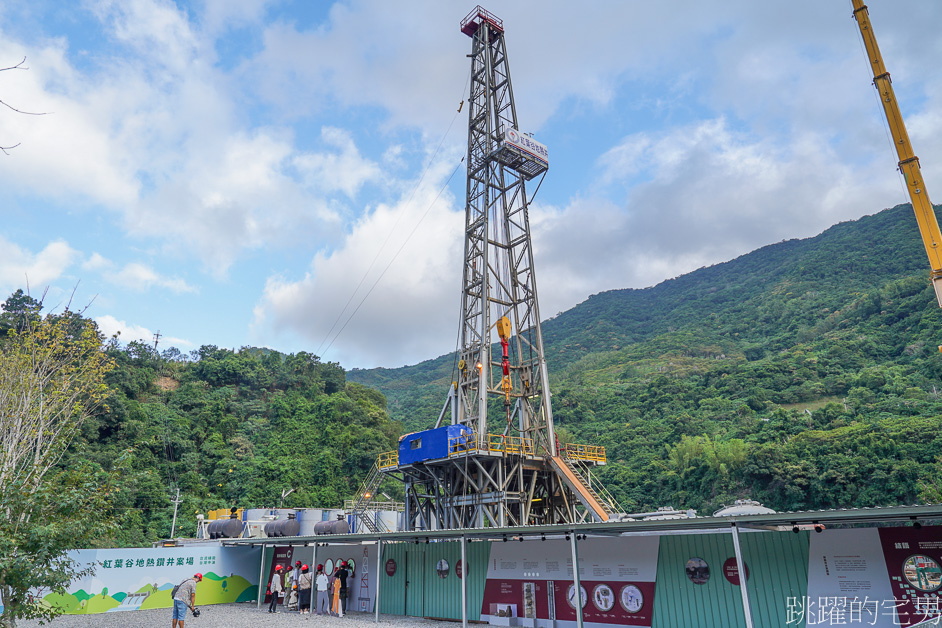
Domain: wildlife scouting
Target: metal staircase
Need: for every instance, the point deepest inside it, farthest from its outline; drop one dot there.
(597, 501)
(364, 497)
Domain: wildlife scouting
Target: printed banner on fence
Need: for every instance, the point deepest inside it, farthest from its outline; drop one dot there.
(132, 579)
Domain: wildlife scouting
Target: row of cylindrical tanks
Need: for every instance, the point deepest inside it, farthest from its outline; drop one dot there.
(269, 527)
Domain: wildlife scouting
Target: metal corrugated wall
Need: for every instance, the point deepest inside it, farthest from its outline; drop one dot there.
(392, 589)
(417, 589)
(415, 580)
(778, 570)
(678, 602)
(777, 564)
(443, 594)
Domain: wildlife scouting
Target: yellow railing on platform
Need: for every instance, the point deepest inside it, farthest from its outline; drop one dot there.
(573, 451)
(462, 443)
(510, 444)
(496, 443)
(388, 459)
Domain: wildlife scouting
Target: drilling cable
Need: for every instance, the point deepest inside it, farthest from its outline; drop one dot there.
(380, 249)
(394, 257)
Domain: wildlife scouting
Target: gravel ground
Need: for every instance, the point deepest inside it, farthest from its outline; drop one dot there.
(232, 616)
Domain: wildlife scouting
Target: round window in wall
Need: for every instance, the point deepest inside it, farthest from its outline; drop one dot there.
(697, 570)
(923, 573)
(441, 567)
(329, 567)
(351, 566)
(603, 597)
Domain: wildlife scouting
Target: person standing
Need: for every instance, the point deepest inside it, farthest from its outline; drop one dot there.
(275, 587)
(342, 575)
(321, 583)
(304, 590)
(335, 595)
(185, 598)
(291, 587)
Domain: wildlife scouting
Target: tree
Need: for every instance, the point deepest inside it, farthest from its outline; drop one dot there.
(19, 311)
(51, 379)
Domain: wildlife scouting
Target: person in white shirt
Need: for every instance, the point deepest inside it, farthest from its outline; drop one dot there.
(320, 582)
(275, 589)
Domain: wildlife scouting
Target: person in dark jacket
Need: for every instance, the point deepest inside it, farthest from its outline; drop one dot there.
(342, 575)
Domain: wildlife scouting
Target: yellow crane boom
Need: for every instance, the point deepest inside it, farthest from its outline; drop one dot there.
(908, 162)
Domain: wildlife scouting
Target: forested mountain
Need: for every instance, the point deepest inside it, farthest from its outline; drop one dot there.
(228, 428)
(804, 375)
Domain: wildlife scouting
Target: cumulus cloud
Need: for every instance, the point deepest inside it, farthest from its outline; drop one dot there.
(126, 332)
(140, 278)
(343, 171)
(157, 138)
(385, 295)
(724, 126)
(700, 194)
(19, 266)
(97, 261)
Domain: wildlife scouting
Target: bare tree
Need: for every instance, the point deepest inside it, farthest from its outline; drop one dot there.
(19, 66)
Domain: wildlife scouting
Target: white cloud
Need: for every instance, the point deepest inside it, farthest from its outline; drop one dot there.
(158, 138)
(109, 326)
(19, 265)
(156, 29)
(706, 195)
(724, 126)
(412, 306)
(140, 278)
(97, 262)
(221, 14)
(345, 171)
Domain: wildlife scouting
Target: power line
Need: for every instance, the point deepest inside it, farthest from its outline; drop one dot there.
(380, 249)
(401, 247)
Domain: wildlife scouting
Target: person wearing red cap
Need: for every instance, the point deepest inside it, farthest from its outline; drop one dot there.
(342, 575)
(184, 598)
(291, 587)
(304, 590)
(275, 588)
(321, 582)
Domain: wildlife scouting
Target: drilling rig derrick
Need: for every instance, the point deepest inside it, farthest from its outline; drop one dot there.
(493, 459)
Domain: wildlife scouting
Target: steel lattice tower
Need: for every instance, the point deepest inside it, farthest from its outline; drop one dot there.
(499, 279)
(511, 471)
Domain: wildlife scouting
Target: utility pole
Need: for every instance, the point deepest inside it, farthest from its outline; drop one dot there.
(284, 493)
(176, 504)
(156, 340)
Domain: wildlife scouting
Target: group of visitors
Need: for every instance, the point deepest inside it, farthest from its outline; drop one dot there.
(297, 585)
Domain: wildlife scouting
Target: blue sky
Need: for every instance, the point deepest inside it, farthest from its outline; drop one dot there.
(228, 171)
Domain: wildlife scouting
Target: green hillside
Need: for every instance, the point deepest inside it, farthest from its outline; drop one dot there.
(229, 428)
(803, 374)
